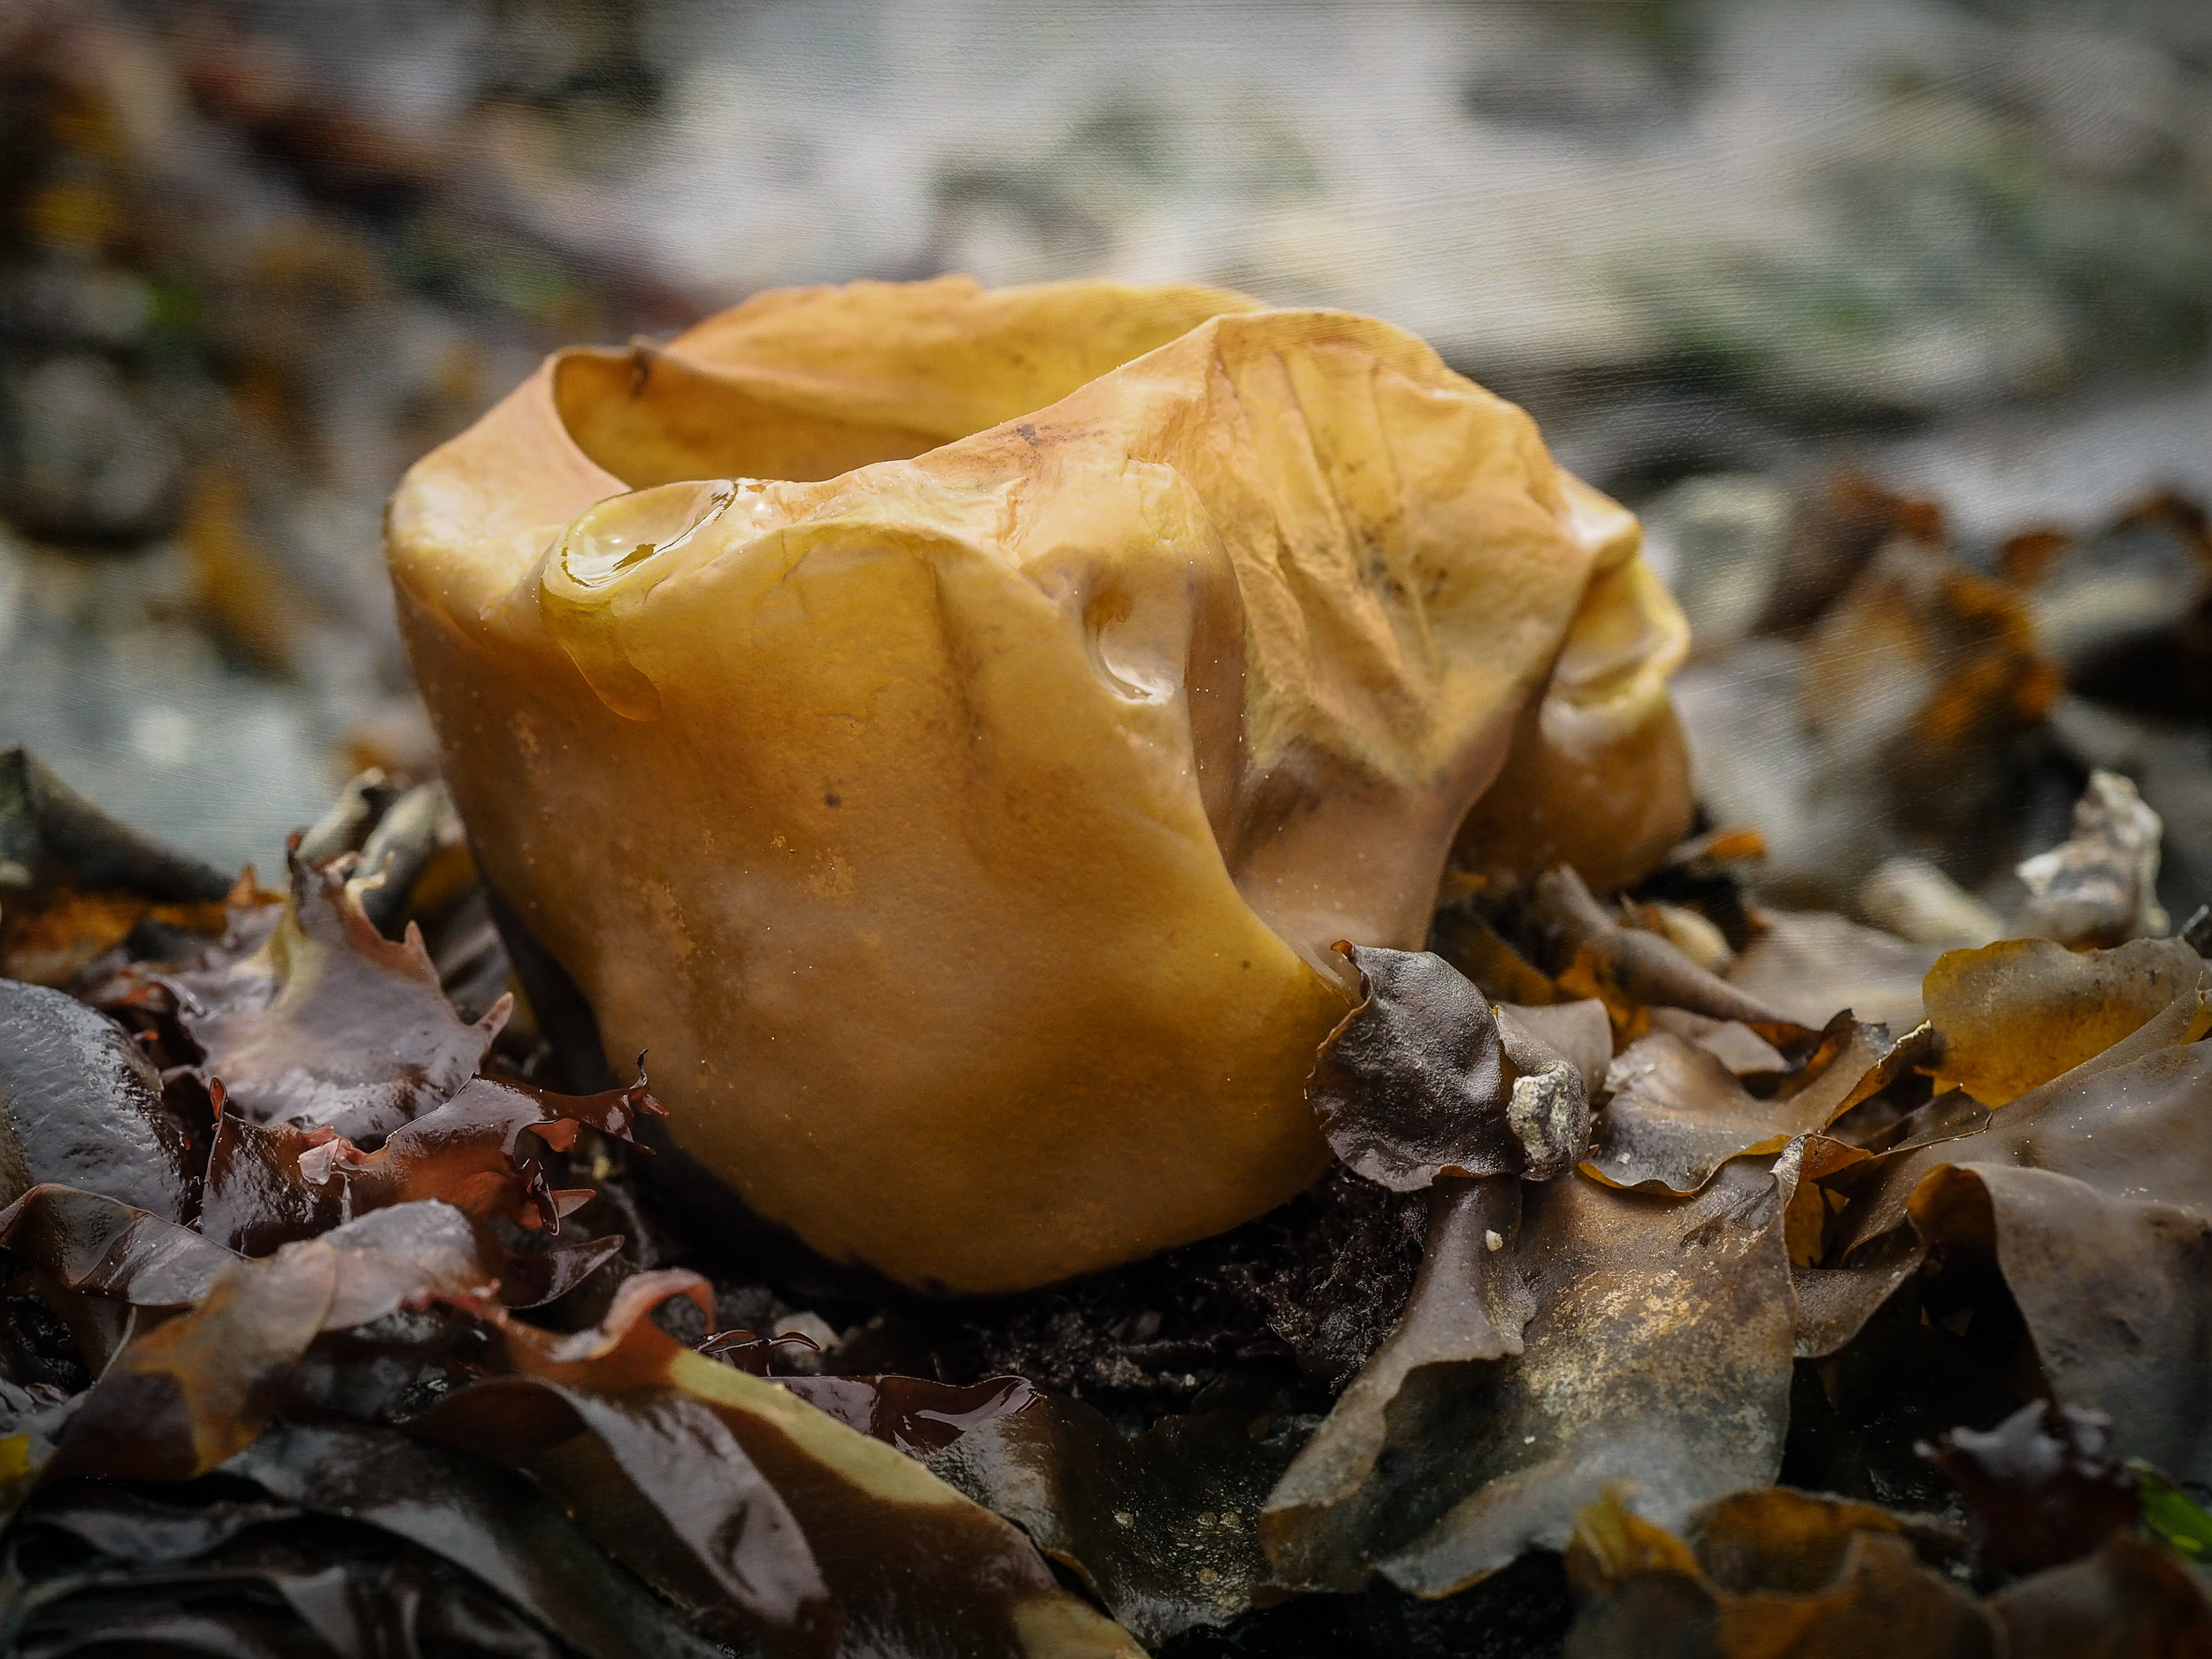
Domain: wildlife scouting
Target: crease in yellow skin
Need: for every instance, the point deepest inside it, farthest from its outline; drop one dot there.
(1597, 776)
(956, 757)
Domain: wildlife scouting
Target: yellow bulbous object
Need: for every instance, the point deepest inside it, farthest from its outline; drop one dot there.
(947, 727)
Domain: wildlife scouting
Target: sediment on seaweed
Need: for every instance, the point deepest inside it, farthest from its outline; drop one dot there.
(361, 1315)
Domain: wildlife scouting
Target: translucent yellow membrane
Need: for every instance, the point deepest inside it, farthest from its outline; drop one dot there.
(955, 758)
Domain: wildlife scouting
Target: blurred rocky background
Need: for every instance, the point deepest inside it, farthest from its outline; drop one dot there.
(1892, 318)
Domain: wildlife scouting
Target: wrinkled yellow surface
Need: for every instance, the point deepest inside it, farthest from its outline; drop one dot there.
(961, 802)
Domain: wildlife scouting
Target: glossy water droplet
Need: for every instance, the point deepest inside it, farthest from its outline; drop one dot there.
(621, 533)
